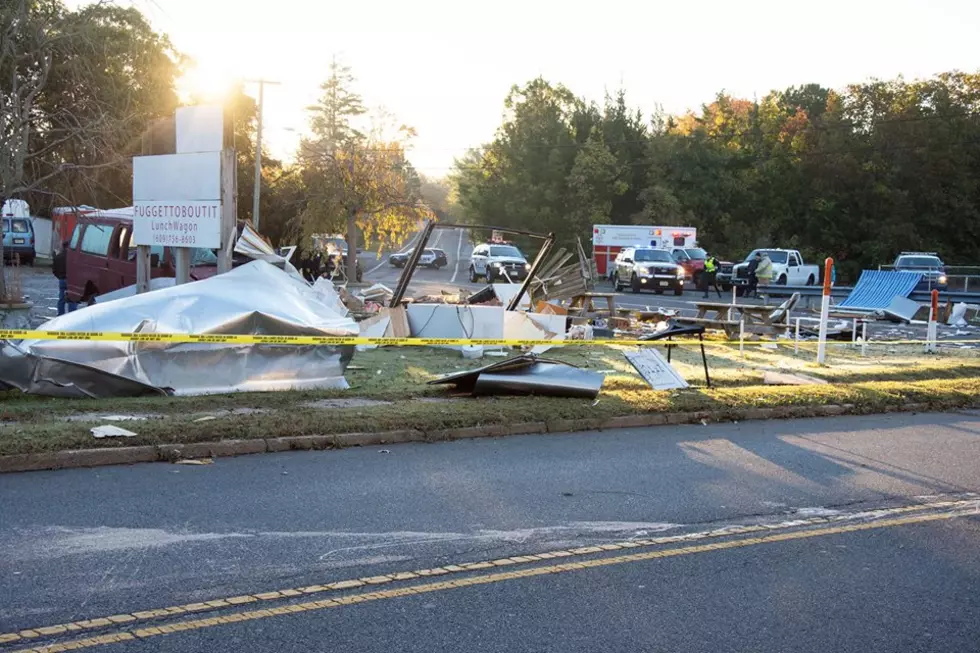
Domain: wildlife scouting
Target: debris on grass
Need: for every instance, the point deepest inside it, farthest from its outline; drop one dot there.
(110, 431)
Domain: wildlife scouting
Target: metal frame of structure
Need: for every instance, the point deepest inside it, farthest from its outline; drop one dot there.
(413, 259)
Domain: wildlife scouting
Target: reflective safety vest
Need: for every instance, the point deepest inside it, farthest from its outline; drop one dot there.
(709, 264)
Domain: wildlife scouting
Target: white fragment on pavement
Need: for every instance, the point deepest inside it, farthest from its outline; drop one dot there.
(816, 512)
(110, 431)
(194, 461)
(206, 418)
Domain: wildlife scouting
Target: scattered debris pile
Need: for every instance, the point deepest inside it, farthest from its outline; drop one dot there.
(563, 276)
(256, 298)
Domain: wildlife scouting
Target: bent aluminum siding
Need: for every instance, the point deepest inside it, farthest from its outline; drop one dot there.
(876, 289)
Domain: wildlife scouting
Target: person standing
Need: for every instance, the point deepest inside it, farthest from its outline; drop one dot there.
(59, 266)
(709, 276)
(753, 287)
(764, 272)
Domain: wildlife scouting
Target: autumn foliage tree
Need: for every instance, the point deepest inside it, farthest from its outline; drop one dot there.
(357, 179)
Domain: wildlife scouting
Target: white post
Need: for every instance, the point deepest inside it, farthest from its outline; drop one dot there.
(741, 337)
(731, 311)
(854, 332)
(796, 340)
(932, 329)
(864, 338)
(824, 313)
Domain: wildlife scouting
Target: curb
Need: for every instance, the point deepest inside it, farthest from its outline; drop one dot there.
(171, 452)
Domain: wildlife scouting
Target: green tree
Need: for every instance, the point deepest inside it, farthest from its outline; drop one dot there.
(77, 90)
(358, 180)
(596, 182)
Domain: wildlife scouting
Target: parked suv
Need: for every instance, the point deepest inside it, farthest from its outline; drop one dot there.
(645, 268)
(18, 240)
(928, 264)
(430, 258)
(493, 262)
(102, 258)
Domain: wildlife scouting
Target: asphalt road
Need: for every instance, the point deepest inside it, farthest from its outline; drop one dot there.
(848, 534)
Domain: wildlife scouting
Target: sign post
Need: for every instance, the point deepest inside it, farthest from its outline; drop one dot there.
(828, 272)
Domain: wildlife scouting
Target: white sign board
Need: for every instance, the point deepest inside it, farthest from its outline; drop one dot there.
(200, 128)
(653, 367)
(177, 200)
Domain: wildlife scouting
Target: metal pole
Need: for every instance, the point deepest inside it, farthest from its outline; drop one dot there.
(258, 161)
(864, 338)
(258, 153)
(796, 342)
(854, 332)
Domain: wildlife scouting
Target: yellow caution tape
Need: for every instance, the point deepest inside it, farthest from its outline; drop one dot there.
(233, 339)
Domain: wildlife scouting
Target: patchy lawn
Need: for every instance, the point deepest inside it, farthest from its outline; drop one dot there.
(389, 392)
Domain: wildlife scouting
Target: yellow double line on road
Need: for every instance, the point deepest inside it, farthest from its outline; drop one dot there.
(463, 567)
(197, 624)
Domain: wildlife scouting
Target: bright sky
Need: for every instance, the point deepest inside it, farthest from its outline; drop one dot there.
(444, 66)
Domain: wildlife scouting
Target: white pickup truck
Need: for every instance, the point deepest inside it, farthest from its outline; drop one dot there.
(787, 268)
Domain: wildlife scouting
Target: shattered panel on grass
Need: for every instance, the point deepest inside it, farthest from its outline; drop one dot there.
(527, 375)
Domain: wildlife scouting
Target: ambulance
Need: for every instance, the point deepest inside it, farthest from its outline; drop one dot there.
(608, 239)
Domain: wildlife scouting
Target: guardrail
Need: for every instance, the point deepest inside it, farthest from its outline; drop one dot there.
(844, 291)
(958, 277)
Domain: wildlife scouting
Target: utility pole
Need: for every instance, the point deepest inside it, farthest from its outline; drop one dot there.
(258, 152)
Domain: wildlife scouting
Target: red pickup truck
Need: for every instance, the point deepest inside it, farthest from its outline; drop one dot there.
(102, 258)
(691, 259)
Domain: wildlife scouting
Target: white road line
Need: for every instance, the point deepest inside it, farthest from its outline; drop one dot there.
(385, 262)
(459, 249)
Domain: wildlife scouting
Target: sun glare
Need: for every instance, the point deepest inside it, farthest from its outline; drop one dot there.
(205, 84)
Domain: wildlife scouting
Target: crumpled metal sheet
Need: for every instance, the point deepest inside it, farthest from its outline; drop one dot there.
(254, 299)
(527, 375)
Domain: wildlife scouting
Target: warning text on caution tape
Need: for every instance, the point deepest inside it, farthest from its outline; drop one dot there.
(240, 339)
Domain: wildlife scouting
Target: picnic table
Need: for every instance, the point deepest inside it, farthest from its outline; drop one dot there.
(753, 314)
(768, 318)
(585, 303)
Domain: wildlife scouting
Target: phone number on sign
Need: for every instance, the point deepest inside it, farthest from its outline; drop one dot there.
(175, 239)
